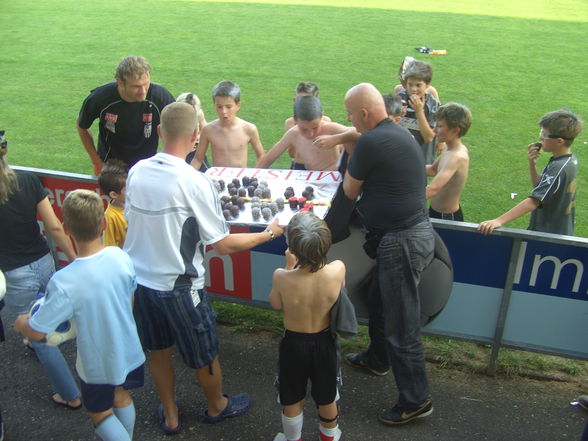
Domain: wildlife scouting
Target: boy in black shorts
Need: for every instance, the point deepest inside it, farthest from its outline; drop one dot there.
(306, 290)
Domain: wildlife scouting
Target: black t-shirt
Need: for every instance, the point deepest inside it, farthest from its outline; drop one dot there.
(21, 241)
(127, 131)
(391, 164)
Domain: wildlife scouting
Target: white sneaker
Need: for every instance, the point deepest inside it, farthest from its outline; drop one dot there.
(337, 436)
(280, 437)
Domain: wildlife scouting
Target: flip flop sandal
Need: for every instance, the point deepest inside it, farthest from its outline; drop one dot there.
(237, 405)
(161, 419)
(56, 398)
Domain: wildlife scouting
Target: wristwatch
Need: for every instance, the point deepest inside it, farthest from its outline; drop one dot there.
(271, 233)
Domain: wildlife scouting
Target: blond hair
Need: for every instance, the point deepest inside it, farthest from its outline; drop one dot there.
(309, 239)
(83, 212)
(132, 67)
(194, 101)
(8, 180)
(178, 120)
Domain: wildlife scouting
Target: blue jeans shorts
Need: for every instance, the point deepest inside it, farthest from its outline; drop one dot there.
(165, 318)
(100, 397)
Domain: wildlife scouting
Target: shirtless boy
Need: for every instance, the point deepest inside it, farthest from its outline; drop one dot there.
(304, 88)
(306, 290)
(228, 135)
(308, 114)
(450, 170)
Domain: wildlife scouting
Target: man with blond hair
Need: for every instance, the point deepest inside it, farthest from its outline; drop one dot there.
(387, 168)
(128, 110)
(173, 213)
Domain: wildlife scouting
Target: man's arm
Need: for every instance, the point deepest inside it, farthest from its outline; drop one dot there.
(255, 142)
(517, 211)
(533, 154)
(419, 110)
(351, 186)
(348, 137)
(244, 241)
(88, 142)
(201, 150)
(442, 176)
(54, 228)
(274, 153)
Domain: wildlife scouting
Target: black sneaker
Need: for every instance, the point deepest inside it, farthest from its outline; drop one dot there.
(360, 361)
(400, 415)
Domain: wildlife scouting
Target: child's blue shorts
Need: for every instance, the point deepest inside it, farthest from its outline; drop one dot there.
(100, 397)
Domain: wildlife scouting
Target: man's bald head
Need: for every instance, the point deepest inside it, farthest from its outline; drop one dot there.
(365, 107)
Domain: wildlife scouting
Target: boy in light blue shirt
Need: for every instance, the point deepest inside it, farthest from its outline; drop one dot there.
(109, 354)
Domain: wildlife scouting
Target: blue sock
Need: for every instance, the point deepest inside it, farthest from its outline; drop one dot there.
(111, 429)
(126, 415)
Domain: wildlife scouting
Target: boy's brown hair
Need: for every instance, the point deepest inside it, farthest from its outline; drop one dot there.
(563, 124)
(309, 239)
(113, 176)
(83, 212)
(455, 115)
(419, 70)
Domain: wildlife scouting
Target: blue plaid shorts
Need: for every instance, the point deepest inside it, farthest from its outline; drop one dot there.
(165, 318)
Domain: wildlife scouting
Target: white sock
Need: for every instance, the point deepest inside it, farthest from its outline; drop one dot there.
(327, 434)
(293, 427)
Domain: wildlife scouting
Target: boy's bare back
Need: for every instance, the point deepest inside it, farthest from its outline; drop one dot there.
(306, 297)
(452, 174)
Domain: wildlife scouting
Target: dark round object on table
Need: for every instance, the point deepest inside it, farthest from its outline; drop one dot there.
(255, 213)
(234, 199)
(230, 185)
(232, 191)
(258, 193)
(236, 182)
(245, 180)
(280, 202)
(224, 199)
(306, 194)
(310, 189)
(288, 193)
(250, 191)
(235, 211)
(241, 203)
(227, 214)
(274, 207)
(242, 192)
(266, 213)
(254, 182)
(301, 202)
(293, 203)
(267, 193)
(222, 184)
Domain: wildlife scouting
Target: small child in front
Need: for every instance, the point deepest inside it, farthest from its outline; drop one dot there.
(450, 170)
(306, 290)
(553, 200)
(113, 183)
(228, 135)
(96, 290)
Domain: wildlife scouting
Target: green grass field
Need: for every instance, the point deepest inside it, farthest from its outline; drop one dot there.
(509, 61)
